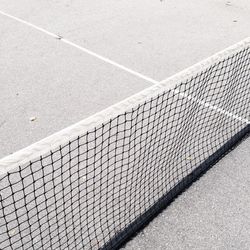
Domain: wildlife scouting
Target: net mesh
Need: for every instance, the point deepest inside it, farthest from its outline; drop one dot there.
(97, 189)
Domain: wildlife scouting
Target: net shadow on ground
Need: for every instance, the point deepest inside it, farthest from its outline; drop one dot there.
(98, 189)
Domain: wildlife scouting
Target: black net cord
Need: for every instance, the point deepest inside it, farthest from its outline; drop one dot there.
(142, 221)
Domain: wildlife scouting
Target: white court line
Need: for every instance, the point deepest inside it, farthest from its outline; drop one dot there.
(208, 105)
(87, 51)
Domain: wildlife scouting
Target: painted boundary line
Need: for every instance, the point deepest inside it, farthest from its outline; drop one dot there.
(212, 107)
(104, 59)
(46, 145)
(85, 50)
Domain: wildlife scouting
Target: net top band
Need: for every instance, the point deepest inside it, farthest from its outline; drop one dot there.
(44, 146)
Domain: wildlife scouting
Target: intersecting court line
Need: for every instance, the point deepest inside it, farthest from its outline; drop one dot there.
(135, 73)
(210, 106)
(87, 51)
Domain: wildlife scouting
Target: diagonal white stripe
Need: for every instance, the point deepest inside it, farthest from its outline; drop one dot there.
(85, 50)
(210, 106)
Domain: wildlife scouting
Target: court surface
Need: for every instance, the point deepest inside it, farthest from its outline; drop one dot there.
(212, 214)
(62, 61)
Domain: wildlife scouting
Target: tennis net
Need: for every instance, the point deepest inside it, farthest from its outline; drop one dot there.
(96, 183)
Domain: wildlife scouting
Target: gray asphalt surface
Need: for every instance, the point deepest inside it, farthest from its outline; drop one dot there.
(156, 38)
(59, 85)
(212, 214)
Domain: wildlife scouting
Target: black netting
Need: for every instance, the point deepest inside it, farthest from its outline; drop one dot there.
(97, 190)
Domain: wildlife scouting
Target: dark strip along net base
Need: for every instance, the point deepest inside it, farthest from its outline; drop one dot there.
(99, 189)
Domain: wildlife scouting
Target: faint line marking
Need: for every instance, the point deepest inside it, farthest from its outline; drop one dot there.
(107, 60)
(87, 51)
